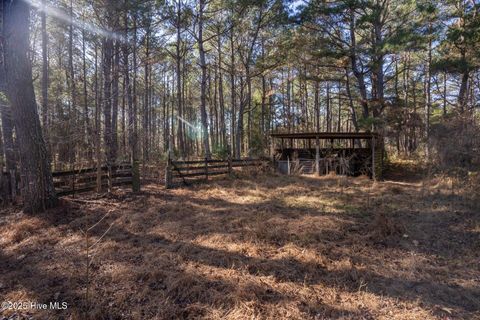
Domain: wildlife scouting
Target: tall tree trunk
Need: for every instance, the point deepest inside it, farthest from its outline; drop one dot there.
(7, 133)
(123, 119)
(462, 93)
(221, 100)
(97, 139)
(232, 97)
(134, 146)
(107, 99)
(428, 105)
(288, 102)
(350, 101)
(73, 88)
(328, 110)
(262, 119)
(239, 131)
(359, 75)
(134, 91)
(213, 107)
(444, 105)
(166, 130)
(249, 106)
(178, 58)
(203, 84)
(243, 103)
(339, 122)
(37, 184)
(378, 67)
(146, 99)
(317, 106)
(86, 115)
(131, 114)
(44, 72)
(115, 85)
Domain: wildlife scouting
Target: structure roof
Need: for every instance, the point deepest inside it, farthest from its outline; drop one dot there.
(325, 135)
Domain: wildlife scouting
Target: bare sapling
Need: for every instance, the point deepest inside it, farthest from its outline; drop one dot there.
(89, 258)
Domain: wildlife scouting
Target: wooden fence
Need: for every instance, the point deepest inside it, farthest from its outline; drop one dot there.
(177, 172)
(71, 182)
(82, 180)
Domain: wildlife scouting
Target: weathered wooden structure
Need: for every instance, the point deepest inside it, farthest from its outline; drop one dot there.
(346, 153)
(71, 182)
(86, 179)
(188, 171)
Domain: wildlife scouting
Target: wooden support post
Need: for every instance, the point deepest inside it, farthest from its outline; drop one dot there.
(288, 165)
(206, 168)
(99, 185)
(169, 166)
(382, 141)
(373, 158)
(272, 153)
(168, 172)
(109, 176)
(230, 168)
(73, 182)
(272, 149)
(136, 176)
(13, 185)
(317, 155)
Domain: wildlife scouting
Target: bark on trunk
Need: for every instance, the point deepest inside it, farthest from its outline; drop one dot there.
(221, 100)
(203, 85)
(107, 99)
(128, 88)
(462, 93)
(115, 85)
(37, 184)
(232, 97)
(44, 74)
(350, 102)
(178, 58)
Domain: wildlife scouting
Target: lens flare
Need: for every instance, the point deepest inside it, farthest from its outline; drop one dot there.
(187, 123)
(61, 15)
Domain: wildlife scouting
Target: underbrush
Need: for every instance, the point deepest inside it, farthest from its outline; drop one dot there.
(263, 247)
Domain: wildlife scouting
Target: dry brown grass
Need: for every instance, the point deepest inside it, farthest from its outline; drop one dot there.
(274, 247)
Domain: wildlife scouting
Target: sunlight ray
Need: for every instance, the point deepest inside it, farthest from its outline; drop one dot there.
(61, 15)
(187, 123)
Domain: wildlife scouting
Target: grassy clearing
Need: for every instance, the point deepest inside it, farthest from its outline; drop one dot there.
(265, 248)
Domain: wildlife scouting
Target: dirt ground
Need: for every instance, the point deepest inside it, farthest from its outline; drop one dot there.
(268, 247)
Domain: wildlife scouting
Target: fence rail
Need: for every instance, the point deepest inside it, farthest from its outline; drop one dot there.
(82, 180)
(179, 171)
(71, 182)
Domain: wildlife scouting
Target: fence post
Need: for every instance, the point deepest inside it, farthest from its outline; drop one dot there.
(74, 176)
(99, 177)
(373, 158)
(206, 168)
(13, 185)
(272, 153)
(109, 177)
(5, 186)
(317, 155)
(230, 168)
(135, 176)
(168, 172)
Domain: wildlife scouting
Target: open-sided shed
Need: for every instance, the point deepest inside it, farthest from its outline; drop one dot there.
(348, 153)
